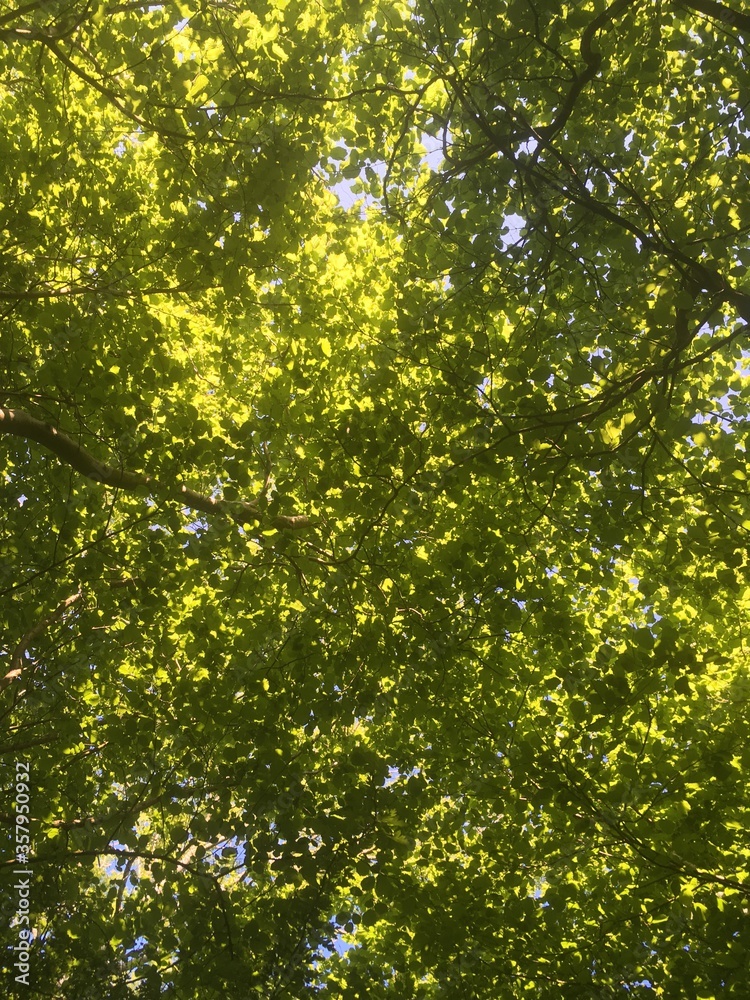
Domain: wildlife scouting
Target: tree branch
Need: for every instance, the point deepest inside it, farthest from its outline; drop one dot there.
(727, 16)
(593, 62)
(18, 659)
(23, 425)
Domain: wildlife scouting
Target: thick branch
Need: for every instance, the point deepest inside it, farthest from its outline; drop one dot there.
(20, 11)
(593, 63)
(704, 278)
(110, 95)
(722, 13)
(49, 35)
(697, 274)
(23, 425)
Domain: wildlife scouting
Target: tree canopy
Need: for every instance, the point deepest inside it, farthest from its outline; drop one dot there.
(374, 430)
